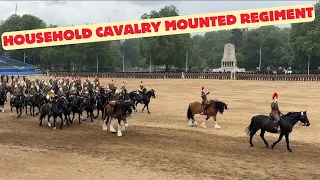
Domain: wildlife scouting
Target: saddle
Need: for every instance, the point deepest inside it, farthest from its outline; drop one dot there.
(207, 102)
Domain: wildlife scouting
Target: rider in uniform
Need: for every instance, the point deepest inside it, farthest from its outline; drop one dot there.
(32, 91)
(123, 87)
(204, 94)
(50, 95)
(141, 88)
(275, 112)
(111, 85)
(86, 91)
(60, 92)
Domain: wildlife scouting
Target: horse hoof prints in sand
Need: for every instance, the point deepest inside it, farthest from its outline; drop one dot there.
(265, 123)
(214, 106)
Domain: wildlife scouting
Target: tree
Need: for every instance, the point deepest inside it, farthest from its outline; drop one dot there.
(165, 50)
(304, 39)
(19, 23)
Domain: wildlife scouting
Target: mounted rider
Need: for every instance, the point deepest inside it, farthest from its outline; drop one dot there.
(123, 88)
(275, 112)
(50, 95)
(86, 90)
(73, 90)
(204, 97)
(111, 85)
(141, 89)
(32, 91)
(61, 92)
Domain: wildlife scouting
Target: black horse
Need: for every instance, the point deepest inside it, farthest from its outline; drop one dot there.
(57, 111)
(76, 104)
(3, 96)
(88, 105)
(101, 101)
(143, 98)
(34, 101)
(265, 123)
(17, 102)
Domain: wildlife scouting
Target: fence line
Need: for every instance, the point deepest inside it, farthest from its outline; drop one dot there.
(199, 75)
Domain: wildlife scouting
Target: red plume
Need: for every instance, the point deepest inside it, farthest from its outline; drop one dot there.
(275, 96)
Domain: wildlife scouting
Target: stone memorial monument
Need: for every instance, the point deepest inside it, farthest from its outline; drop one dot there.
(229, 61)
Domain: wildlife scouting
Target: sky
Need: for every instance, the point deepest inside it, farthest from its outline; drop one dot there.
(67, 13)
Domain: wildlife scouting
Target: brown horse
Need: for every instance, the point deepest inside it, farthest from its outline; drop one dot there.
(214, 106)
(117, 110)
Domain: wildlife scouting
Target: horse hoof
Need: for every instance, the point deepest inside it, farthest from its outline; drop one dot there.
(267, 146)
(290, 150)
(251, 145)
(272, 146)
(54, 128)
(119, 134)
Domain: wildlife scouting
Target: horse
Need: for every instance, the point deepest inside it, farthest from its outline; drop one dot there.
(214, 106)
(101, 101)
(2, 98)
(119, 111)
(34, 102)
(17, 102)
(88, 105)
(145, 99)
(76, 104)
(265, 123)
(57, 111)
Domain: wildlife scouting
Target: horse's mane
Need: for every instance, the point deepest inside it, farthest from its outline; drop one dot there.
(220, 105)
(289, 113)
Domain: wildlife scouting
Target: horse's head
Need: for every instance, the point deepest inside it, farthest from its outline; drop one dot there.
(298, 116)
(304, 118)
(221, 106)
(152, 93)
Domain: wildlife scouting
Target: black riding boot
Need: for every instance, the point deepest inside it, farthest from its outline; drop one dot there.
(205, 109)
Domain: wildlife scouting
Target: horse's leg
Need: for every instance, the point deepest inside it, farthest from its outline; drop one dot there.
(54, 122)
(287, 141)
(73, 114)
(30, 110)
(111, 128)
(136, 106)
(102, 111)
(119, 133)
(280, 138)
(262, 137)
(38, 106)
(60, 115)
(204, 122)
(20, 111)
(143, 107)
(91, 115)
(216, 126)
(67, 118)
(104, 124)
(17, 111)
(148, 108)
(79, 118)
(49, 120)
(97, 113)
(252, 133)
(125, 125)
(26, 105)
(192, 121)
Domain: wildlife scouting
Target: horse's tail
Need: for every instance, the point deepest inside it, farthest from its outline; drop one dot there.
(189, 113)
(249, 129)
